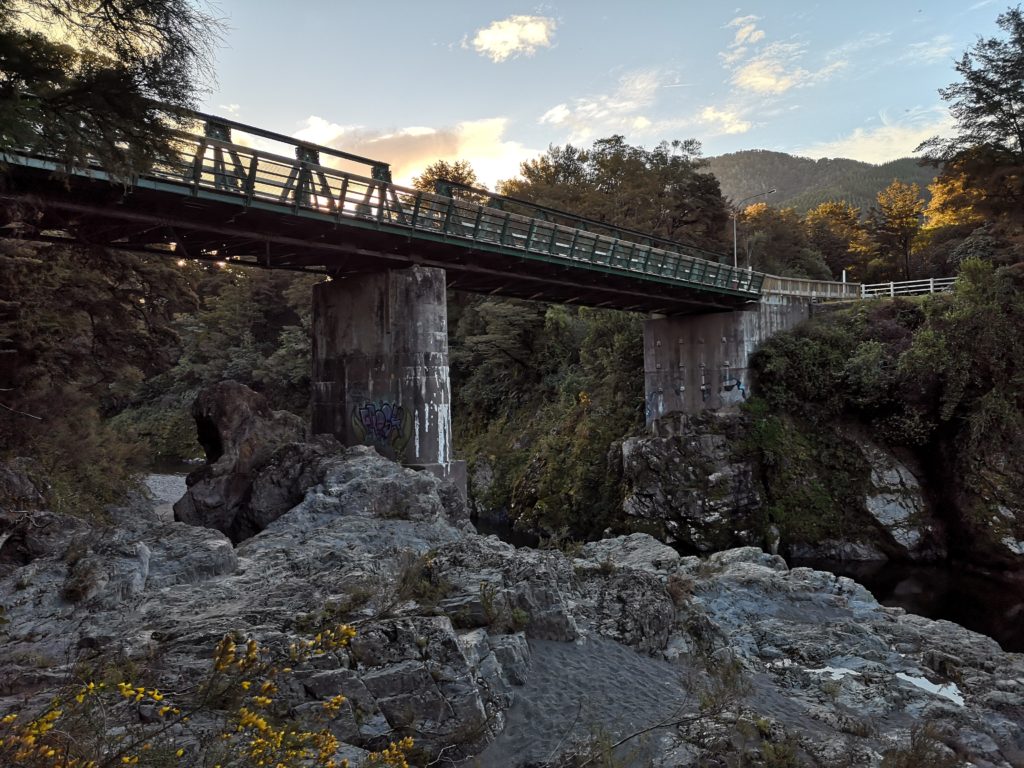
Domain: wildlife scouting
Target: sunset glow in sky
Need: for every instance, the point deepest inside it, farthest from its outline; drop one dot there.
(498, 82)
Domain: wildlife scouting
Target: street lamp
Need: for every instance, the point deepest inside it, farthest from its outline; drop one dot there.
(736, 213)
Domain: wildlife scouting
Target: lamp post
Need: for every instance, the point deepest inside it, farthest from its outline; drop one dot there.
(734, 216)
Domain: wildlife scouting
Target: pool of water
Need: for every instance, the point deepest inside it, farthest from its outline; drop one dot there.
(990, 604)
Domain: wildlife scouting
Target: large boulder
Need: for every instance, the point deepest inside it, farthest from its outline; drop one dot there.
(896, 501)
(238, 429)
(239, 432)
(356, 548)
(692, 489)
(481, 650)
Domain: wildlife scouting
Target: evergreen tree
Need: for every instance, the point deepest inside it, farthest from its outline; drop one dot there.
(988, 107)
(895, 224)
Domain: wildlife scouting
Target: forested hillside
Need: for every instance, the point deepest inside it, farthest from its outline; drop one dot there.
(803, 183)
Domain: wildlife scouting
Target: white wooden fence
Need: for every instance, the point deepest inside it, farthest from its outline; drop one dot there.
(812, 289)
(907, 287)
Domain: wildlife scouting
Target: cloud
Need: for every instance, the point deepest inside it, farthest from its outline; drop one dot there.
(771, 68)
(892, 139)
(726, 121)
(557, 115)
(775, 70)
(317, 130)
(939, 48)
(410, 150)
(606, 112)
(746, 33)
(860, 43)
(513, 37)
(746, 30)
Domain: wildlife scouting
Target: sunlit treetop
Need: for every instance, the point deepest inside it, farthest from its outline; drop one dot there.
(82, 78)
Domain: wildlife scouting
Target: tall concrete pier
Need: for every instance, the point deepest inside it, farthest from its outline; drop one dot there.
(694, 363)
(380, 366)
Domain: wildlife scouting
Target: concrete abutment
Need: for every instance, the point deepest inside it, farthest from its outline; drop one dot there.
(694, 363)
(380, 366)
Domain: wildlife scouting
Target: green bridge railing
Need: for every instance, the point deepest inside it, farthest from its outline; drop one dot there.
(211, 165)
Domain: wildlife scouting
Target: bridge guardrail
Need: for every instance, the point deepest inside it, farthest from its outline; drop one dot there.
(812, 289)
(908, 287)
(211, 165)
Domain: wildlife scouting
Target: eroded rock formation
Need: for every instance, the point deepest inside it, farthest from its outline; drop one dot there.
(481, 650)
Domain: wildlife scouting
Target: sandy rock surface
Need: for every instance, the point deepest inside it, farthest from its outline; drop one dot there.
(493, 655)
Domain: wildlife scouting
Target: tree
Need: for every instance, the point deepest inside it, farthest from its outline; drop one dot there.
(662, 191)
(104, 78)
(835, 230)
(459, 172)
(775, 242)
(80, 327)
(896, 222)
(988, 107)
(82, 330)
(953, 203)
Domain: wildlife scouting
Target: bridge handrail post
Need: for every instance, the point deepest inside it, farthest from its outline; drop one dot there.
(479, 217)
(448, 215)
(197, 167)
(250, 179)
(572, 243)
(529, 234)
(677, 262)
(342, 196)
(553, 240)
(504, 227)
(416, 203)
(647, 258)
(892, 289)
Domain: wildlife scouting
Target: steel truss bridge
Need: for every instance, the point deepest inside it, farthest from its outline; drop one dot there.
(230, 194)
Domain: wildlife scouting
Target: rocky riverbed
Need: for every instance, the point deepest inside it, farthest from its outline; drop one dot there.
(491, 655)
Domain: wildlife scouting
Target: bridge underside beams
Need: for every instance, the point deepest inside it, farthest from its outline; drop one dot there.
(144, 219)
(380, 366)
(701, 362)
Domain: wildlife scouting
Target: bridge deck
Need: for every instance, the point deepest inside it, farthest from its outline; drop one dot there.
(223, 200)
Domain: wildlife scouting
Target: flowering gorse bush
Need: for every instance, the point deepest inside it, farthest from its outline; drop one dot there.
(96, 725)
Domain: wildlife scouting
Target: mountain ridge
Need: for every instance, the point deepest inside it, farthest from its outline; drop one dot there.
(804, 183)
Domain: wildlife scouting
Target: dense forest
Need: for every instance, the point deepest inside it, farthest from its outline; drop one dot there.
(106, 350)
(802, 183)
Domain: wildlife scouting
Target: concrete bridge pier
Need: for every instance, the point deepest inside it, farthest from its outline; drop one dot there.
(695, 363)
(380, 367)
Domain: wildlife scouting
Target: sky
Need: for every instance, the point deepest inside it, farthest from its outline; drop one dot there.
(499, 82)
